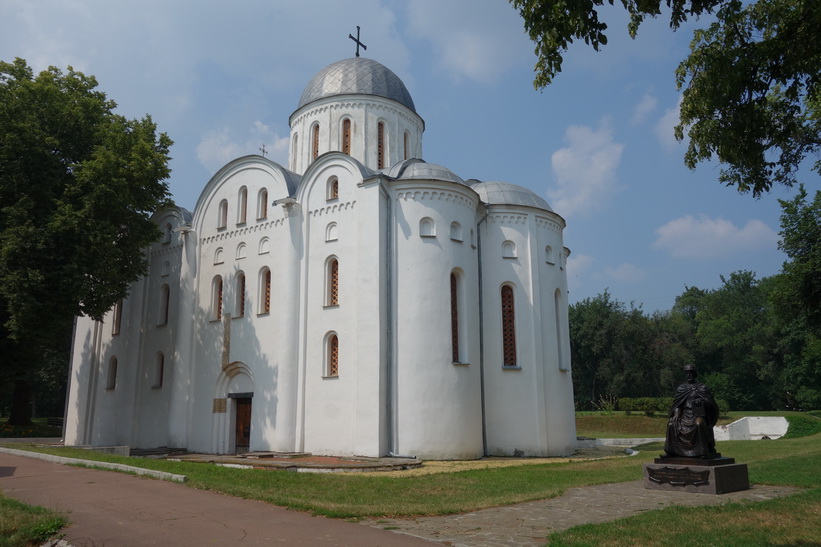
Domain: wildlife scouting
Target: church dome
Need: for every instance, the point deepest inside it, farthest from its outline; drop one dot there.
(503, 193)
(416, 169)
(356, 76)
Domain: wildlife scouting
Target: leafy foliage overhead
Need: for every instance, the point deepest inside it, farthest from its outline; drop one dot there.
(78, 184)
(751, 94)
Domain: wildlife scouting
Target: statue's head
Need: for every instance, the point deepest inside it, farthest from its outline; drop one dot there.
(690, 371)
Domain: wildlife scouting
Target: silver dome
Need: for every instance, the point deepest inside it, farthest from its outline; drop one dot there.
(416, 169)
(356, 76)
(503, 193)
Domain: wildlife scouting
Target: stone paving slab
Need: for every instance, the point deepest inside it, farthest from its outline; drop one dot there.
(529, 523)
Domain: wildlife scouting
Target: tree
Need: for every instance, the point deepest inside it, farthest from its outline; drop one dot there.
(800, 290)
(78, 184)
(797, 299)
(751, 82)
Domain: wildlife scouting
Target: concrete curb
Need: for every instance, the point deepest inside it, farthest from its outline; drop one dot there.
(627, 442)
(162, 475)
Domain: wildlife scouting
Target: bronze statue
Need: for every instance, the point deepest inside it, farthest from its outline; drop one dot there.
(692, 417)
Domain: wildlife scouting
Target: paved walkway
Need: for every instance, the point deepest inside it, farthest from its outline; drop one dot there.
(529, 523)
(113, 509)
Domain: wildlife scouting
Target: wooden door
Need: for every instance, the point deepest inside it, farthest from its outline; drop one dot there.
(243, 426)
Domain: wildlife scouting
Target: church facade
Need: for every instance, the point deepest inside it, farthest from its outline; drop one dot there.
(358, 302)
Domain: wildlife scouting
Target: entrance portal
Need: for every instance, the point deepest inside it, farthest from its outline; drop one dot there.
(243, 425)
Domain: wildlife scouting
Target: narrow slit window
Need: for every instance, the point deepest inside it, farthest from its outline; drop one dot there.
(165, 297)
(262, 204)
(242, 205)
(380, 145)
(346, 136)
(315, 143)
(111, 378)
(454, 316)
(117, 320)
(240, 294)
(222, 215)
(216, 299)
(265, 291)
(333, 355)
(508, 327)
(406, 146)
(267, 304)
(333, 282)
(159, 370)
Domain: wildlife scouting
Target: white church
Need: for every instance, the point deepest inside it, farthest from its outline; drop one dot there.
(358, 301)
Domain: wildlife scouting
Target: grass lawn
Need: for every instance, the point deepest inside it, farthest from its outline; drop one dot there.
(22, 525)
(600, 425)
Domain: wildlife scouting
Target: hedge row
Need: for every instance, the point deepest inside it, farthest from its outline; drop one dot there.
(648, 405)
(651, 405)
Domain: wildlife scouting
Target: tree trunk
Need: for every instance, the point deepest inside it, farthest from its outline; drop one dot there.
(20, 404)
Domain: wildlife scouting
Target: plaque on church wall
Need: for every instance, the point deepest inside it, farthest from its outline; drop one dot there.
(220, 406)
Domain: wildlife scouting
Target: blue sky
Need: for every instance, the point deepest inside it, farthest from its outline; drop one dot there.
(222, 79)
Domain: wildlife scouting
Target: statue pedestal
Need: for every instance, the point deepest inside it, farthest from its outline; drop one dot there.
(697, 475)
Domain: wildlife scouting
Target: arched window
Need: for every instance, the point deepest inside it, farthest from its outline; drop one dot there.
(332, 282)
(242, 205)
(332, 368)
(240, 251)
(508, 249)
(456, 231)
(216, 298)
(346, 136)
(380, 145)
(264, 291)
(406, 146)
(331, 232)
(167, 234)
(218, 259)
(111, 377)
(508, 327)
(159, 370)
(332, 190)
(165, 297)
(427, 228)
(240, 312)
(294, 151)
(315, 142)
(117, 318)
(264, 245)
(222, 215)
(166, 269)
(454, 316)
(262, 204)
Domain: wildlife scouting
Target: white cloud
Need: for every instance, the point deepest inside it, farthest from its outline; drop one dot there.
(625, 273)
(704, 238)
(585, 170)
(578, 264)
(218, 147)
(665, 126)
(470, 42)
(577, 267)
(645, 106)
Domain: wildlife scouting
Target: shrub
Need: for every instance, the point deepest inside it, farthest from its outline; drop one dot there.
(648, 405)
(802, 426)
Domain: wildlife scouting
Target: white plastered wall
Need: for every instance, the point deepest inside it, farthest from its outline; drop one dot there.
(438, 403)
